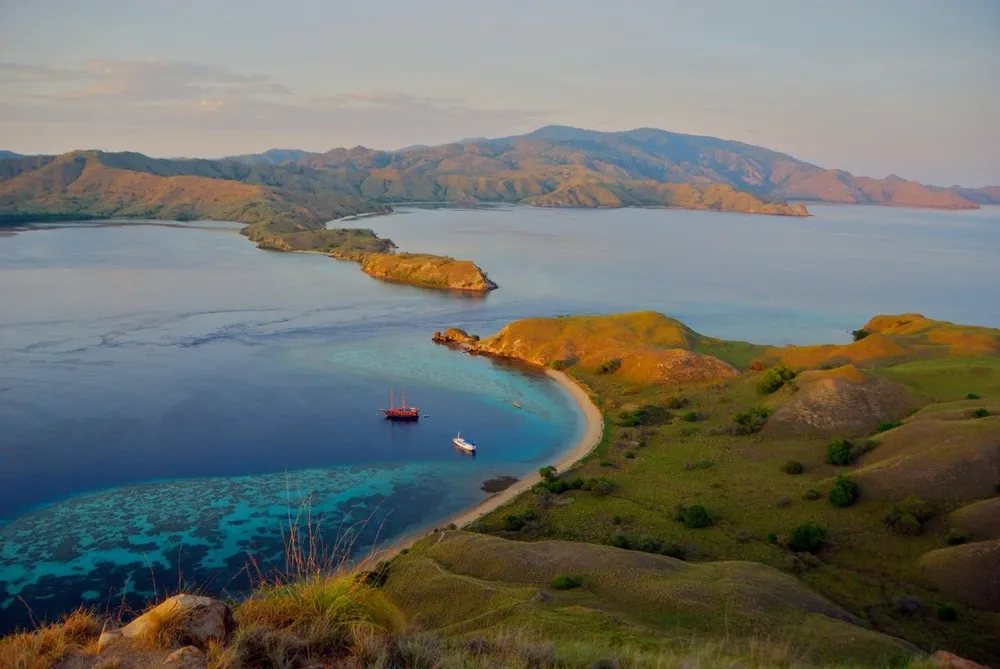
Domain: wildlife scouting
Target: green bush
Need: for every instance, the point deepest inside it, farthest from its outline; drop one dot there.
(793, 467)
(972, 396)
(980, 413)
(909, 516)
(696, 517)
(645, 415)
(515, 521)
(807, 538)
(956, 537)
(774, 378)
(629, 455)
(860, 334)
(548, 473)
(772, 538)
(889, 425)
(677, 403)
(599, 486)
(947, 612)
(610, 366)
(750, 421)
(558, 364)
(701, 464)
(842, 452)
(845, 492)
(565, 582)
(689, 417)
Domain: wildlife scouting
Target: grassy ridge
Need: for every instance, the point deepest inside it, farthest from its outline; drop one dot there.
(691, 456)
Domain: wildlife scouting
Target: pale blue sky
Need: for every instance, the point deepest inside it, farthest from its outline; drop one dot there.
(871, 86)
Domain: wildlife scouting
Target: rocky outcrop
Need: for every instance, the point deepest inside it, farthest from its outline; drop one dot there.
(191, 620)
(454, 336)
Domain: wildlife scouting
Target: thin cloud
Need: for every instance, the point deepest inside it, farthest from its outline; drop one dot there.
(177, 98)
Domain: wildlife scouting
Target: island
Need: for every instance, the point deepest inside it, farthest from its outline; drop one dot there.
(430, 271)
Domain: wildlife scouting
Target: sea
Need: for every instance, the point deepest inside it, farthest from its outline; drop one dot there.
(174, 401)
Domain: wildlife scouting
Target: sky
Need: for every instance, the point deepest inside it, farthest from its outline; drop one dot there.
(910, 87)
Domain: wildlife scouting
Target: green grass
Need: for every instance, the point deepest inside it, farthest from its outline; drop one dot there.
(865, 562)
(948, 379)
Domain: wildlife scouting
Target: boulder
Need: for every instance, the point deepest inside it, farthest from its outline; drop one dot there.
(198, 620)
(187, 657)
(945, 660)
(107, 638)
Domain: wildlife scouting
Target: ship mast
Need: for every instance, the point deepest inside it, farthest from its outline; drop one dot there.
(391, 405)
(404, 399)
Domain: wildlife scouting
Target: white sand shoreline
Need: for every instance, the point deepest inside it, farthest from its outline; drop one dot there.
(593, 432)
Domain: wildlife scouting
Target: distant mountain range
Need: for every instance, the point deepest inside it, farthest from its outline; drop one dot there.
(285, 190)
(9, 154)
(559, 165)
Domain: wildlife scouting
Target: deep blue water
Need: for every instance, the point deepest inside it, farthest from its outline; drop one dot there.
(170, 395)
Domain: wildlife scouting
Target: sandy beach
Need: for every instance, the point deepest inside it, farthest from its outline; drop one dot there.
(592, 434)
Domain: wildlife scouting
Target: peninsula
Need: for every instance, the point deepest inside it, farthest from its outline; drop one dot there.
(288, 214)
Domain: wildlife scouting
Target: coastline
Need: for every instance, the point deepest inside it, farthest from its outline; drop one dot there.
(588, 441)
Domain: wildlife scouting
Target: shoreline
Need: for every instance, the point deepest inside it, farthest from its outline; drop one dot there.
(592, 434)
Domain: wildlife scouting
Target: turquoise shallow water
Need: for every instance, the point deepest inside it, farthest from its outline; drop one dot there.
(170, 395)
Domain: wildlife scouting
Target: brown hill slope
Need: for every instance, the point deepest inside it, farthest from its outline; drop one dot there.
(969, 573)
(91, 184)
(559, 166)
(841, 402)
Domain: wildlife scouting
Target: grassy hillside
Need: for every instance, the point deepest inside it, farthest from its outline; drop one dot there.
(696, 469)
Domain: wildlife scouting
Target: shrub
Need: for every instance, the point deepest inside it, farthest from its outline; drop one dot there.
(947, 612)
(677, 403)
(619, 540)
(515, 521)
(807, 538)
(599, 486)
(565, 582)
(889, 425)
(629, 455)
(980, 413)
(793, 467)
(750, 421)
(956, 537)
(617, 520)
(812, 494)
(842, 452)
(610, 366)
(859, 334)
(696, 517)
(845, 492)
(701, 464)
(774, 378)
(972, 396)
(907, 605)
(645, 415)
(772, 538)
(909, 516)
(558, 364)
(689, 417)
(547, 473)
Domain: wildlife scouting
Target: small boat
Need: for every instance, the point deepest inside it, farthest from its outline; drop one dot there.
(517, 405)
(465, 444)
(401, 412)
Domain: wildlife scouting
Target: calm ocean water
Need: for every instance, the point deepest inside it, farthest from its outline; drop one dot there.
(171, 394)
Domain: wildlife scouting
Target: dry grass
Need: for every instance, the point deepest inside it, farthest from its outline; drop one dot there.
(427, 270)
(42, 648)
